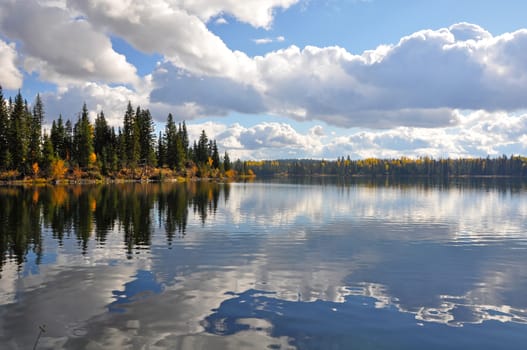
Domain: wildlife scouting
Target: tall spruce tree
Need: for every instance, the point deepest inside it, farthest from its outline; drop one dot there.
(48, 154)
(202, 152)
(130, 137)
(184, 138)
(68, 140)
(83, 139)
(35, 132)
(171, 142)
(227, 162)
(4, 132)
(17, 135)
(146, 129)
(103, 142)
(215, 155)
(161, 150)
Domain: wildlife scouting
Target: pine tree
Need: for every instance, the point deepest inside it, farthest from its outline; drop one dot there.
(101, 134)
(83, 139)
(35, 132)
(103, 142)
(184, 138)
(131, 139)
(202, 152)
(215, 155)
(171, 142)
(68, 140)
(145, 126)
(48, 154)
(17, 135)
(161, 150)
(227, 162)
(4, 134)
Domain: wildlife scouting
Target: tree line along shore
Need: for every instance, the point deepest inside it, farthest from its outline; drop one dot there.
(84, 151)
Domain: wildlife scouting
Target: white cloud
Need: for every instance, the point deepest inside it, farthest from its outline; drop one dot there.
(160, 27)
(10, 75)
(478, 134)
(221, 20)
(62, 48)
(435, 92)
(261, 41)
(422, 81)
(112, 100)
(215, 96)
(268, 140)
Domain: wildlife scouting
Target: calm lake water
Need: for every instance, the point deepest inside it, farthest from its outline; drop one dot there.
(264, 265)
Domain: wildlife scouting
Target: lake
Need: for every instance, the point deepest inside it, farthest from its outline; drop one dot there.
(313, 264)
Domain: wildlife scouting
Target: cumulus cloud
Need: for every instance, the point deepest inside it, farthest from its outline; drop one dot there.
(161, 27)
(63, 48)
(216, 96)
(267, 140)
(10, 75)
(477, 134)
(446, 92)
(422, 81)
(68, 102)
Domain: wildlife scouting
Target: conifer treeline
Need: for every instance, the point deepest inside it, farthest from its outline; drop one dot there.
(513, 166)
(83, 149)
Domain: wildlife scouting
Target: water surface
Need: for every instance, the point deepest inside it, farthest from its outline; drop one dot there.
(264, 265)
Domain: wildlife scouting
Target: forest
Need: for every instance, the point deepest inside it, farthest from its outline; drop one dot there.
(76, 150)
(503, 166)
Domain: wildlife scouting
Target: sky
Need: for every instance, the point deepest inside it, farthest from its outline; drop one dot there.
(276, 79)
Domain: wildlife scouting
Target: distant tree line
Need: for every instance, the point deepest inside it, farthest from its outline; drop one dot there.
(513, 166)
(83, 149)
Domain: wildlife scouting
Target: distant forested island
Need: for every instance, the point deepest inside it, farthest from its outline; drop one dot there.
(81, 150)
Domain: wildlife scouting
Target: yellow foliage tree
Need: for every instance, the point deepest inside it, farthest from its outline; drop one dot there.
(93, 158)
(36, 169)
(58, 169)
(230, 173)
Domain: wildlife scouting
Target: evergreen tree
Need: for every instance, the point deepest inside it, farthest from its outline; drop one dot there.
(145, 126)
(215, 155)
(101, 134)
(35, 132)
(227, 162)
(171, 143)
(202, 151)
(68, 141)
(161, 150)
(48, 154)
(58, 138)
(103, 142)
(17, 139)
(184, 138)
(4, 134)
(130, 137)
(83, 139)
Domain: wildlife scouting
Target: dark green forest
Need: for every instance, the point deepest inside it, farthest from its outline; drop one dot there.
(503, 166)
(79, 149)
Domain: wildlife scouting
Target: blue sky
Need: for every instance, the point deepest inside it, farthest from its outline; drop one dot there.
(284, 78)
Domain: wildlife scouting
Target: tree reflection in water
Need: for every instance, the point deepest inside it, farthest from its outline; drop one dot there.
(92, 212)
